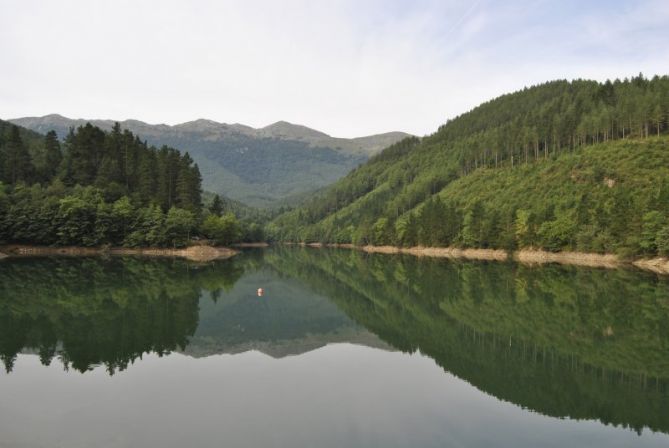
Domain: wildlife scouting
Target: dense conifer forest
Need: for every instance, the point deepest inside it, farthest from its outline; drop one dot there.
(565, 165)
(104, 188)
(577, 165)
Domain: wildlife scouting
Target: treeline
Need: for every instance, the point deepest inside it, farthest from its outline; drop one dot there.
(556, 117)
(104, 188)
(478, 182)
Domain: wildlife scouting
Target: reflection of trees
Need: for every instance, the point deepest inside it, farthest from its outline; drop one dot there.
(563, 341)
(89, 311)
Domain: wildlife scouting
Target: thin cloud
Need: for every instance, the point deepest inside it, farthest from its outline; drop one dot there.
(346, 67)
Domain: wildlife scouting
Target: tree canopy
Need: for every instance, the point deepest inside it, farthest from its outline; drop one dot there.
(96, 188)
(562, 165)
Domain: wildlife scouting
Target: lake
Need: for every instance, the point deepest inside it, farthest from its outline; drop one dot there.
(343, 349)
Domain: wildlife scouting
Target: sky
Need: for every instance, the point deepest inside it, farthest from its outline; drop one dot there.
(345, 67)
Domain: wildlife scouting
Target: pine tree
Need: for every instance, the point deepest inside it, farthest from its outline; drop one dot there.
(216, 207)
(17, 165)
(188, 194)
(84, 153)
(52, 156)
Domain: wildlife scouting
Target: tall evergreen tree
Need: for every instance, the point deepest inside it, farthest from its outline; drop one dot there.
(216, 207)
(188, 194)
(84, 153)
(17, 164)
(52, 156)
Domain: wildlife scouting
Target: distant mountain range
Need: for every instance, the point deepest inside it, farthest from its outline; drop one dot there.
(256, 166)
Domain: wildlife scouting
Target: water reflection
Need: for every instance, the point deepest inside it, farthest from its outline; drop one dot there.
(88, 311)
(561, 341)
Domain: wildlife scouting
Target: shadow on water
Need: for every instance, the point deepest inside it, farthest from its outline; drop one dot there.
(561, 341)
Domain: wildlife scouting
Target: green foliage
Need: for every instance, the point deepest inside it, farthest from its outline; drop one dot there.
(652, 224)
(15, 159)
(52, 157)
(77, 218)
(104, 189)
(523, 228)
(257, 167)
(216, 206)
(662, 241)
(223, 230)
(179, 224)
(559, 166)
(559, 233)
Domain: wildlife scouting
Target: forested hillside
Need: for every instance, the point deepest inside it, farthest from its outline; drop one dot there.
(256, 166)
(101, 188)
(564, 165)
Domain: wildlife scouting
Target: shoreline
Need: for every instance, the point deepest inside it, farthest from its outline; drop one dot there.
(250, 245)
(192, 253)
(658, 265)
(203, 253)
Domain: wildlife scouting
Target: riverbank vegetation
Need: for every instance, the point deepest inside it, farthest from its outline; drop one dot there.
(578, 166)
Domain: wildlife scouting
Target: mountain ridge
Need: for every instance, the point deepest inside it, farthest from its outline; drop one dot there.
(259, 167)
(280, 129)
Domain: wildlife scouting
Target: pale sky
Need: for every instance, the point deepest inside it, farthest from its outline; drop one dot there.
(348, 68)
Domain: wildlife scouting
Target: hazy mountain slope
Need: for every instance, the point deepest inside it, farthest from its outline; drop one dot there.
(255, 166)
(561, 166)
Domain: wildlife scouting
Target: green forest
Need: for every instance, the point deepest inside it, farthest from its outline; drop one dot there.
(562, 166)
(577, 165)
(105, 188)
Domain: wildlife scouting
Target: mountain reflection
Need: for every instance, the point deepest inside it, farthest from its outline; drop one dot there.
(562, 341)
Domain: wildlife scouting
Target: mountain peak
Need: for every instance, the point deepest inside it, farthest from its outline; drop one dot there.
(284, 129)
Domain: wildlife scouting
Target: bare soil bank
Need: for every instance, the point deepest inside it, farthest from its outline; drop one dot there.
(526, 256)
(531, 256)
(445, 252)
(194, 253)
(657, 265)
(250, 245)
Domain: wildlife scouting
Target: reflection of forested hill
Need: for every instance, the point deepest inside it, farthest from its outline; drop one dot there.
(289, 319)
(90, 311)
(562, 341)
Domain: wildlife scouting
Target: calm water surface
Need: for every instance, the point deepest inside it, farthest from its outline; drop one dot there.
(344, 349)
